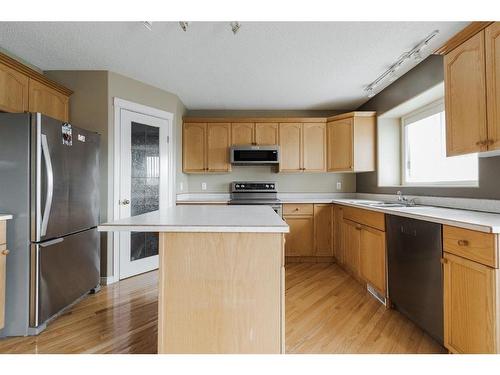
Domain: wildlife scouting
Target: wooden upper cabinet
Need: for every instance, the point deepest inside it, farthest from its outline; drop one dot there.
(242, 133)
(470, 306)
(492, 44)
(372, 264)
(13, 90)
(290, 141)
(465, 97)
(314, 147)
(351, 142)
(266, 133)
(340, 145)
(323, 227)
(194, 147)
(48, 101)
(218, 143)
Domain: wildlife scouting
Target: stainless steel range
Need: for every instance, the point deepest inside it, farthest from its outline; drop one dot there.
(255, 193)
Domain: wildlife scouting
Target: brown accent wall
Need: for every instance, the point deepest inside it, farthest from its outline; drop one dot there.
(424, 76)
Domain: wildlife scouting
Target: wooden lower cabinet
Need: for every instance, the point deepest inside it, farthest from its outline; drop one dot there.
(3, 270)
(471, 306)
(300, 239)
(361, 248)
(351, 232)
(323, 230)
(338, 250)
(372, 259)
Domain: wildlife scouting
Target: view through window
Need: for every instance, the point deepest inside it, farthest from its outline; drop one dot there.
(424, 151)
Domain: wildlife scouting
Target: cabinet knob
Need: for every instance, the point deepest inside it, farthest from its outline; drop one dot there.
(463, 243)
(358, 226)
(444, 261)
(5, 252)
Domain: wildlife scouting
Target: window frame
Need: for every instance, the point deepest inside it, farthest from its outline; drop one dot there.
(417, 115)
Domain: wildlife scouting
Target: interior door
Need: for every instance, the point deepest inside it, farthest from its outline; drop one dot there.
(143, 186)
(66, 179)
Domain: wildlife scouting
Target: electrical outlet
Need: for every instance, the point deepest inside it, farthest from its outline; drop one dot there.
(181, 186)
(203, 186)
(339, 185)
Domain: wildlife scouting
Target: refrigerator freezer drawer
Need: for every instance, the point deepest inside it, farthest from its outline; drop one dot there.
(63, 270)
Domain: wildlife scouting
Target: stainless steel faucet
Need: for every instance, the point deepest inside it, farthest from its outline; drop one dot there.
(404, 200)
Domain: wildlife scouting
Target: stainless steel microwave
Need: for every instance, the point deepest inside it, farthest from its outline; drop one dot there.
(255, 155)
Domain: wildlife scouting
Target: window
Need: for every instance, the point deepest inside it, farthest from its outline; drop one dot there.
(424, 151)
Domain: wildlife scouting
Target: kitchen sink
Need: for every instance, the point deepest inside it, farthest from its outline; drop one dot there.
(387, 204)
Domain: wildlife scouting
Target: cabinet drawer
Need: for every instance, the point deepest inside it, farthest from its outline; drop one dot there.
(477, 246)
(298, 209)
(369, 218)
(3, 226)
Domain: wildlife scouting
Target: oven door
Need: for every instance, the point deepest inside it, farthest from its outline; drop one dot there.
(244, 155)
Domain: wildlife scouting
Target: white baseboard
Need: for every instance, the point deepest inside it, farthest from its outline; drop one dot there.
(107, 280)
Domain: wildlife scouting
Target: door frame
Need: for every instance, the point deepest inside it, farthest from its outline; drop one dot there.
(114, 160)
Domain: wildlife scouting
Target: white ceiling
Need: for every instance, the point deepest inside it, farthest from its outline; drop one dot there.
(267, 65)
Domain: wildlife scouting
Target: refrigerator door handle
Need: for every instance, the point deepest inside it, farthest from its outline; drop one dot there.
(50, 185)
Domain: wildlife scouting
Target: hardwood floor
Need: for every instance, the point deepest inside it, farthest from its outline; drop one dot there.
(326, 312)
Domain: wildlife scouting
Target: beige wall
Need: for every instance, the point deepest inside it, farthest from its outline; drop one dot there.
(91, 107)
(287, 182)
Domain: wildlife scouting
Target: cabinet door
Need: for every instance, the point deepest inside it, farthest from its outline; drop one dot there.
(323, 230)
(3, 263)
(340, 145)
(242, 133)
(290, 138)
(266, 133)
(218, 143)
(314, 147)
(372, 260)
(194, 147)
(470, 321)
(338, 250)
(352, 235)
(300, 239)
(13, 90)
(48, 101)
(465, 97)
(492, 40)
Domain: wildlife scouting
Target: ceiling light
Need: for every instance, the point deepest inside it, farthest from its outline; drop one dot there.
(184, 25)
(235, 27)
(390, 74)
(148, 25)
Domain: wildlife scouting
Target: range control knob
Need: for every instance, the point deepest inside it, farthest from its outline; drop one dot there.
(272, 186)
(267, 186)
(237, 186)
(242, 186)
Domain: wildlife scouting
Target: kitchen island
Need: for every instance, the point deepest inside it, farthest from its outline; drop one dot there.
(221, 277)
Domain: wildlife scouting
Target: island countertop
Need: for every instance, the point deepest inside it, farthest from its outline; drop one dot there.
(203, 218)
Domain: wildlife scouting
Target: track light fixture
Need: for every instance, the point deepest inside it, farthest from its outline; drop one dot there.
(390, 74)
(235, 27)
(184, 25)
(148, 25)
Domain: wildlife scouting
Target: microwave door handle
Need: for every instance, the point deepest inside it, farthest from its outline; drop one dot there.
(50, 185)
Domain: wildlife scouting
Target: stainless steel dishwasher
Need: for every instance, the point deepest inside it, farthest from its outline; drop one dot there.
(414, 250)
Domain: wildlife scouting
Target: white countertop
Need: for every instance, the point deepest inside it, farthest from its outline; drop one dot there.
(201, 218)
(474, 220)
(5, 217)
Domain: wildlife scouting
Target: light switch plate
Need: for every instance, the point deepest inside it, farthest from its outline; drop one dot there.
(203, 186)
(339, 185)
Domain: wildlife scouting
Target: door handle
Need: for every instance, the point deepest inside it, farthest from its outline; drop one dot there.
(124, 202)
(50, 185)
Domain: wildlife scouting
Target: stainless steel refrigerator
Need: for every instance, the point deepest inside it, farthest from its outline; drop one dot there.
(49, 181)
